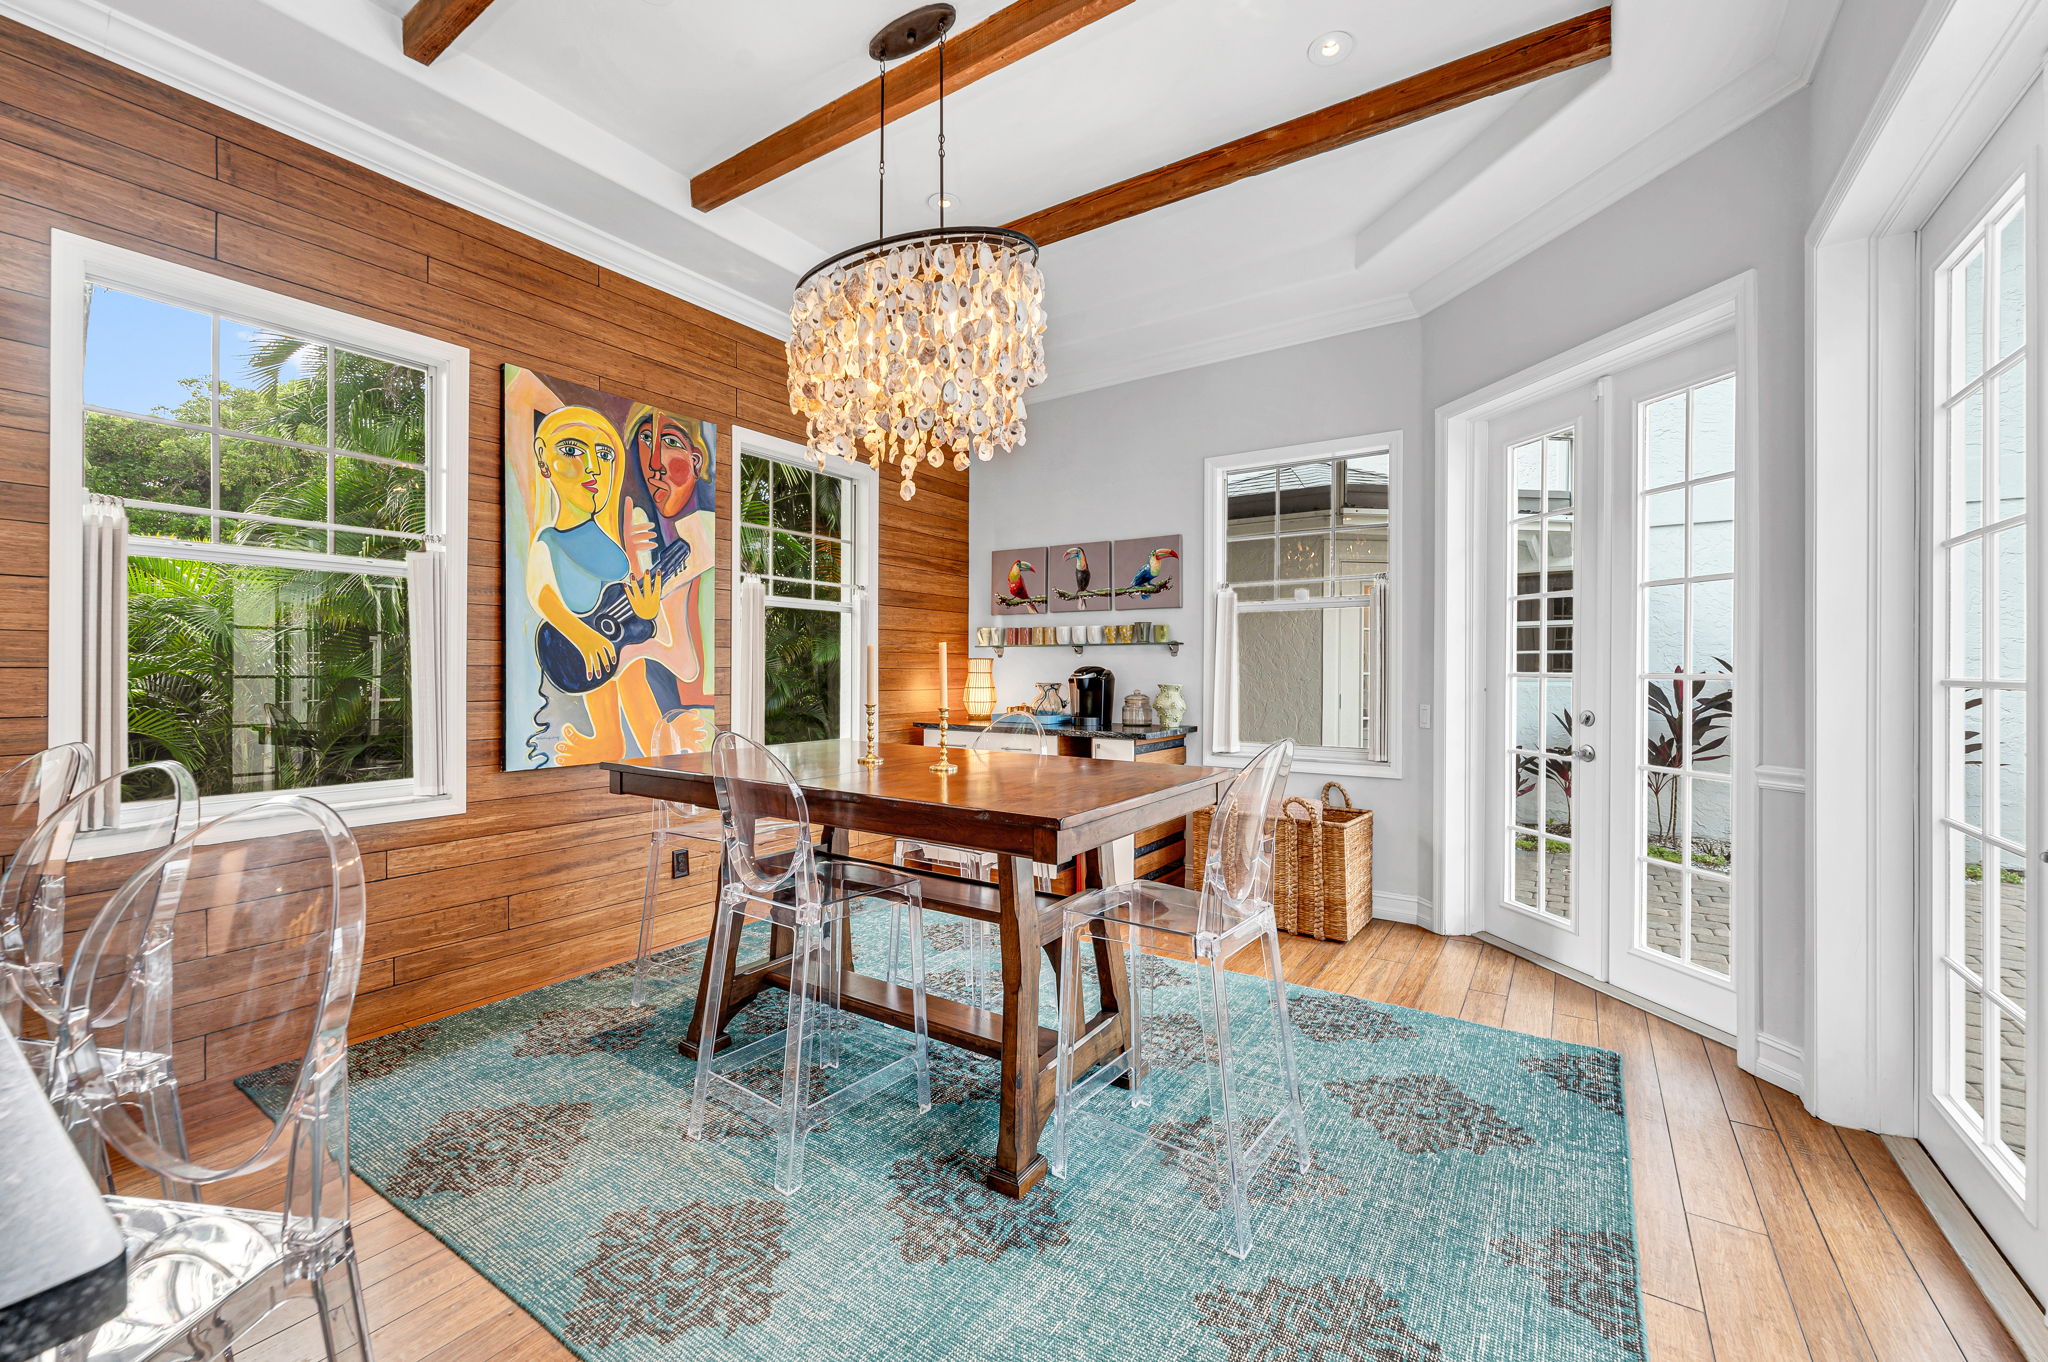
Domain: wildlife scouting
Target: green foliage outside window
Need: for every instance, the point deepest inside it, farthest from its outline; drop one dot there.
(272, 677)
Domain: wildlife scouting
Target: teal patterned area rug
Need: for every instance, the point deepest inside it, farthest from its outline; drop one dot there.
(1468, 1201)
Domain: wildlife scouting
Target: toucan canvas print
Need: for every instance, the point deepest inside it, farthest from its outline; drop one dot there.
(1080, 574)
(1017, 579)
(1148, 573)
(611, 553)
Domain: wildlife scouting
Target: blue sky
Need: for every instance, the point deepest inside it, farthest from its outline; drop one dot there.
(137, 349)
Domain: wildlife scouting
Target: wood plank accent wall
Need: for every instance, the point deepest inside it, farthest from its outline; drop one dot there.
(541, 878)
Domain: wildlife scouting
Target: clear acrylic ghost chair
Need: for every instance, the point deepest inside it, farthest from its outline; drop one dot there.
(778, 878)
(674, 825)
(286, 873)
(63, 874)
(1232, 910)
(985, 970)
(31, 791)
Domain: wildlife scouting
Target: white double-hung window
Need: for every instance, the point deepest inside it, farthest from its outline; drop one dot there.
(1301, 642)
(257, 538)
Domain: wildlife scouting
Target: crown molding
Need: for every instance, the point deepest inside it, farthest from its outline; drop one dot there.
(165, 57)
(1125, 359)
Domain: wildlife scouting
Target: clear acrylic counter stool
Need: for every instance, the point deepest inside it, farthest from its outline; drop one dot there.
(201, 1276)
(59, 867)
(1232, 910)
(774, 875)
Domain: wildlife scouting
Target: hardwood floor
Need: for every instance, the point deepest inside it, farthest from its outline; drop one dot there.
(1764, 1235)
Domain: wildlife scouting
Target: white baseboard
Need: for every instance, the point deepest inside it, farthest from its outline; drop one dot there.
(2010, 1300)
(1782, 1064)
(1403, 908)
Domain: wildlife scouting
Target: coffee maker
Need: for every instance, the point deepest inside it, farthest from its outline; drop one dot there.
(1094, 693)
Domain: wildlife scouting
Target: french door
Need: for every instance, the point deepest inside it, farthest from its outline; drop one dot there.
(1981, 1112)
(1616, 723)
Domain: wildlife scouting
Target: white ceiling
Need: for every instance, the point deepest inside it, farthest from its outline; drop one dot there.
(582, 122)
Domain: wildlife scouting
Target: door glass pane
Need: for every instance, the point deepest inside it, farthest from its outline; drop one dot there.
(1664, 629)
(1557, 462)
(2010, 618)
(1713, 527)
(2012, 281)
(1974, 723)
(2012, 439)
(1967, 337)
(1966, 445)
(1663, 907)
(1664, 535)
(1713, 429)
(2012, 1086)
(1972, 871)
(1708, 933)
(1540, 541)
(1713, 627)
(1687, 452)
(1969, 1088)
(2012, 766)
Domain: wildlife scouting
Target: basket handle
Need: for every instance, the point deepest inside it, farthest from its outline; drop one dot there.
(1342, 794)
(1314, 814)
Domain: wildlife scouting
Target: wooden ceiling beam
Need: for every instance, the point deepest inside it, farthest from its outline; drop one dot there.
(430, 25)
(1531, 57)
(1009, 35)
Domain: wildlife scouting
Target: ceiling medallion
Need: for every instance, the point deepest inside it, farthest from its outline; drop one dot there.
(918, 346)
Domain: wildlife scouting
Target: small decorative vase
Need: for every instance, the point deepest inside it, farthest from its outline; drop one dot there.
(1171, 705)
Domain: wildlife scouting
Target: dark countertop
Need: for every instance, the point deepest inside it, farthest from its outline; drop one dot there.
(62, 1265)
(1130, 733)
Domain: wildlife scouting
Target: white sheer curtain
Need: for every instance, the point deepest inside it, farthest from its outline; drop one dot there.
(425, 600)
(1223, 673)
(749, 637)
(106, 636)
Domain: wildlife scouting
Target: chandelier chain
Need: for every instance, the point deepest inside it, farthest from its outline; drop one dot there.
(942, 132)
(882, 149)
(917, 349)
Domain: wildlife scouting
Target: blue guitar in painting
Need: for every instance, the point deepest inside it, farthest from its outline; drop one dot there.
(614, 618)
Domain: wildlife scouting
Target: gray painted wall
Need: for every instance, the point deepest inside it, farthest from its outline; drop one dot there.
(1127, 459)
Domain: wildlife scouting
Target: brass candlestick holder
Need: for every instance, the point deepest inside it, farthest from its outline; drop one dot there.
(872, 758)
(943, 765)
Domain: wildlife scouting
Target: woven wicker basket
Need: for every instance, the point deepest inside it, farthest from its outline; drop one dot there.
(1322, 865)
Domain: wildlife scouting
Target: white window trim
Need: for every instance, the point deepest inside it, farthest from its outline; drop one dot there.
(440, 718)
(1321, 761)
(862, 521)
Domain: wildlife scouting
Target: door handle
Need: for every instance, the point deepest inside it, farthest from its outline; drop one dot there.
(1587, 753)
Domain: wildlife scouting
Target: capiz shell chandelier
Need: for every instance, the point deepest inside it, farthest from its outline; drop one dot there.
(919, 346)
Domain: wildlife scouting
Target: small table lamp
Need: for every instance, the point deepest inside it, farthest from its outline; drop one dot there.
(978, 696)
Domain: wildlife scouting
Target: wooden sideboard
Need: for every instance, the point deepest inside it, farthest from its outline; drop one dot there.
(1161, 850)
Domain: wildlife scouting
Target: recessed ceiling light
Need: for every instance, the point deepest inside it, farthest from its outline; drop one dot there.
(947, 202)
(1331, 48)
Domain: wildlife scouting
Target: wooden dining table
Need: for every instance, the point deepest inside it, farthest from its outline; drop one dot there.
(1024, 808)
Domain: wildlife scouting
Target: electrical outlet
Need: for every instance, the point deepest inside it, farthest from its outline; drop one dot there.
(679, 865)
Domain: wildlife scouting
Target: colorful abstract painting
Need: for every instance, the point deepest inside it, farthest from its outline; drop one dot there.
(611, 579)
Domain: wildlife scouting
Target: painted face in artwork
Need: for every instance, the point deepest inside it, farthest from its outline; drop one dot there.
(671, 458)
(578, 450)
